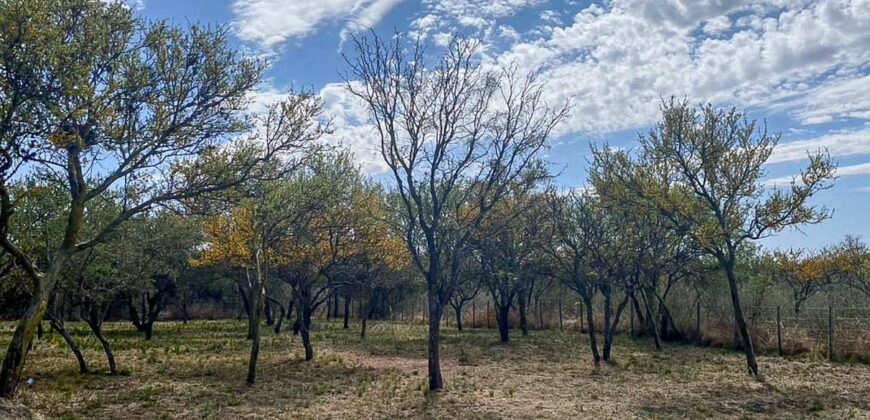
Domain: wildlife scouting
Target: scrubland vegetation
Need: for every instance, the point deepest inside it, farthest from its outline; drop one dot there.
(168, 252)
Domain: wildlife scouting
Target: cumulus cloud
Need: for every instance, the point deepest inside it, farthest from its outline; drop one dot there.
(271, 22)
(617, 60)
(842, 143)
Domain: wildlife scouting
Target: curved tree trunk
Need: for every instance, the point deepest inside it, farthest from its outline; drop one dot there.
(61, 329)
(94, 319)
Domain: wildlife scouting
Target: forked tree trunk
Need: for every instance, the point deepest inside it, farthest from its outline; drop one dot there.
(612, 326)
(94, 319)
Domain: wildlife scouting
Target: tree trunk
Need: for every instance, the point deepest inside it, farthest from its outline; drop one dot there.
(335, 305)
(590, 325)
(22, 340)
(267, 311)
(246, 303)
(608, 333)
(611, 328)
(94, 322)
(436, 381)
(524, 323)
(503, 320)
(304, 321)
(741, 322)
(458, 311)
(61, 329)
(650, 318)
(257, 298)
(347, 306)
(149, 330)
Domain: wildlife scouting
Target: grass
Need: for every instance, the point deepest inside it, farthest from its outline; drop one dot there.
(198, 371)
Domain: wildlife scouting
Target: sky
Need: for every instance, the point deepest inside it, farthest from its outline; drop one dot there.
(802, 66)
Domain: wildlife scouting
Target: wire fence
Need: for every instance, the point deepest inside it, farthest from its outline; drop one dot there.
(834, 332)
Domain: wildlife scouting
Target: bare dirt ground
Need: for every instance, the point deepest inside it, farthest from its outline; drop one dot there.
(198, 370)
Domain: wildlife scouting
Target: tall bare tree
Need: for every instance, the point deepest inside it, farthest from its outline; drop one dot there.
(454, 136)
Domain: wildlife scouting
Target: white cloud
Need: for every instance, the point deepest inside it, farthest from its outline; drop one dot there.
(461, 15)
(844, 143)
(616, 61)
(351, 128)
(837, 99)
(851, 170)
(271, 22)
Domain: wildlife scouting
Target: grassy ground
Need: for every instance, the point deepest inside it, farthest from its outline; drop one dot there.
(198, 371)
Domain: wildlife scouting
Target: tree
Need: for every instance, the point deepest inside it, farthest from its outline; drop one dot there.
(454, 137)
(509, 247)
(805, 273)
(702, 169)
(157, 251)
(104, 103)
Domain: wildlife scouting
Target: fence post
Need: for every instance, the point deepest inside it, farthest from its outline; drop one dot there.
(560, 311)
(778, 331)
(487, 314)
(830, 333)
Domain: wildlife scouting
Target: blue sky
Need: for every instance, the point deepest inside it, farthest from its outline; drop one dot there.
(803, 65)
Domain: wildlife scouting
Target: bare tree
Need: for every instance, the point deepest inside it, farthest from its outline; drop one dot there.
(454, 137)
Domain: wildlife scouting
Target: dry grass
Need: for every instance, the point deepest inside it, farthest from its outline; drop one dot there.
(197, 371)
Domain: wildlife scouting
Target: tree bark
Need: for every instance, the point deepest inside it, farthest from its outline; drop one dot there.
(94, 321)
(458, 311)
(436, 381)
(258, 293)
(590, 325)
(503, 320)
(524, 323)
(751, 364)
(347, 306)
(304, 324)
(61, 329)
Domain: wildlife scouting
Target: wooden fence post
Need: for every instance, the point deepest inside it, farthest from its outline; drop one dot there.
(561, 328)
(778, 331)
